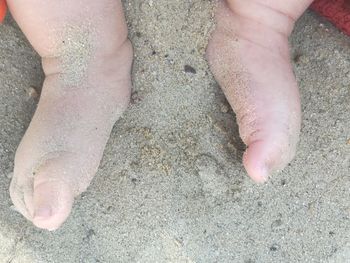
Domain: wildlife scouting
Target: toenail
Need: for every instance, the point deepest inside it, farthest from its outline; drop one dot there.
(42, 212)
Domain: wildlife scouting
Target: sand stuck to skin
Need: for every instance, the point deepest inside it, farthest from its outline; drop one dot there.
(75, 52)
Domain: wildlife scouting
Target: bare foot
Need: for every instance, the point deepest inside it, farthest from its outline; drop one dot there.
(249, 56)
(87, 59)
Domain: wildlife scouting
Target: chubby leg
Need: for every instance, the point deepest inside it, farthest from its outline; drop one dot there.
(249, 56)
(86, 58)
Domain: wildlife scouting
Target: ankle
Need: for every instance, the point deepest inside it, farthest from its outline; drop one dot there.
(236, 23)
(260, 15)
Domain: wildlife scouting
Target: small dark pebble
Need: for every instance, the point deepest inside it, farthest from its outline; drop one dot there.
(297, 57)
(138, 34)
(331, 233)
(189, 69)
(274, 248)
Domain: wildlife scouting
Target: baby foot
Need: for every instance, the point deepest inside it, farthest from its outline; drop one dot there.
(86, 58)
(249, 57)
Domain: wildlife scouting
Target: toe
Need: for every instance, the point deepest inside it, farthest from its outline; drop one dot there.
(52, 203)
(265, 157)
(44, 192)
(255, 162)
(54, 187)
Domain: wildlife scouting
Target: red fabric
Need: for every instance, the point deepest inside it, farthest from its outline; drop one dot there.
(3, 8)
(336, 11)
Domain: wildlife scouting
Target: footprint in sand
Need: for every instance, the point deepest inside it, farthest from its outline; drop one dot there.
(215, 184)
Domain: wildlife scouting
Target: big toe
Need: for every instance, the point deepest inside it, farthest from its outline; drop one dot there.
(54, 186)
(52, 204)
(45, 193)
(265, 156)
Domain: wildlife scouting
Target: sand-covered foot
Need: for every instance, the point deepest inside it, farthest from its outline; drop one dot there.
(87, 59)
(249, 56)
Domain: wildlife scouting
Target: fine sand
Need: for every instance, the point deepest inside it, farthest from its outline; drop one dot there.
(171, 186)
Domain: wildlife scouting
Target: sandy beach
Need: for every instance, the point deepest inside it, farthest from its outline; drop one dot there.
(171, 186)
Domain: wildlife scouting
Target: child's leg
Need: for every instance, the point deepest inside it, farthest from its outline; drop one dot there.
(249, 56)
(87, 59)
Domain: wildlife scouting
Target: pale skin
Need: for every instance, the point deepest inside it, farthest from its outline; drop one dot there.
(81, 99)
